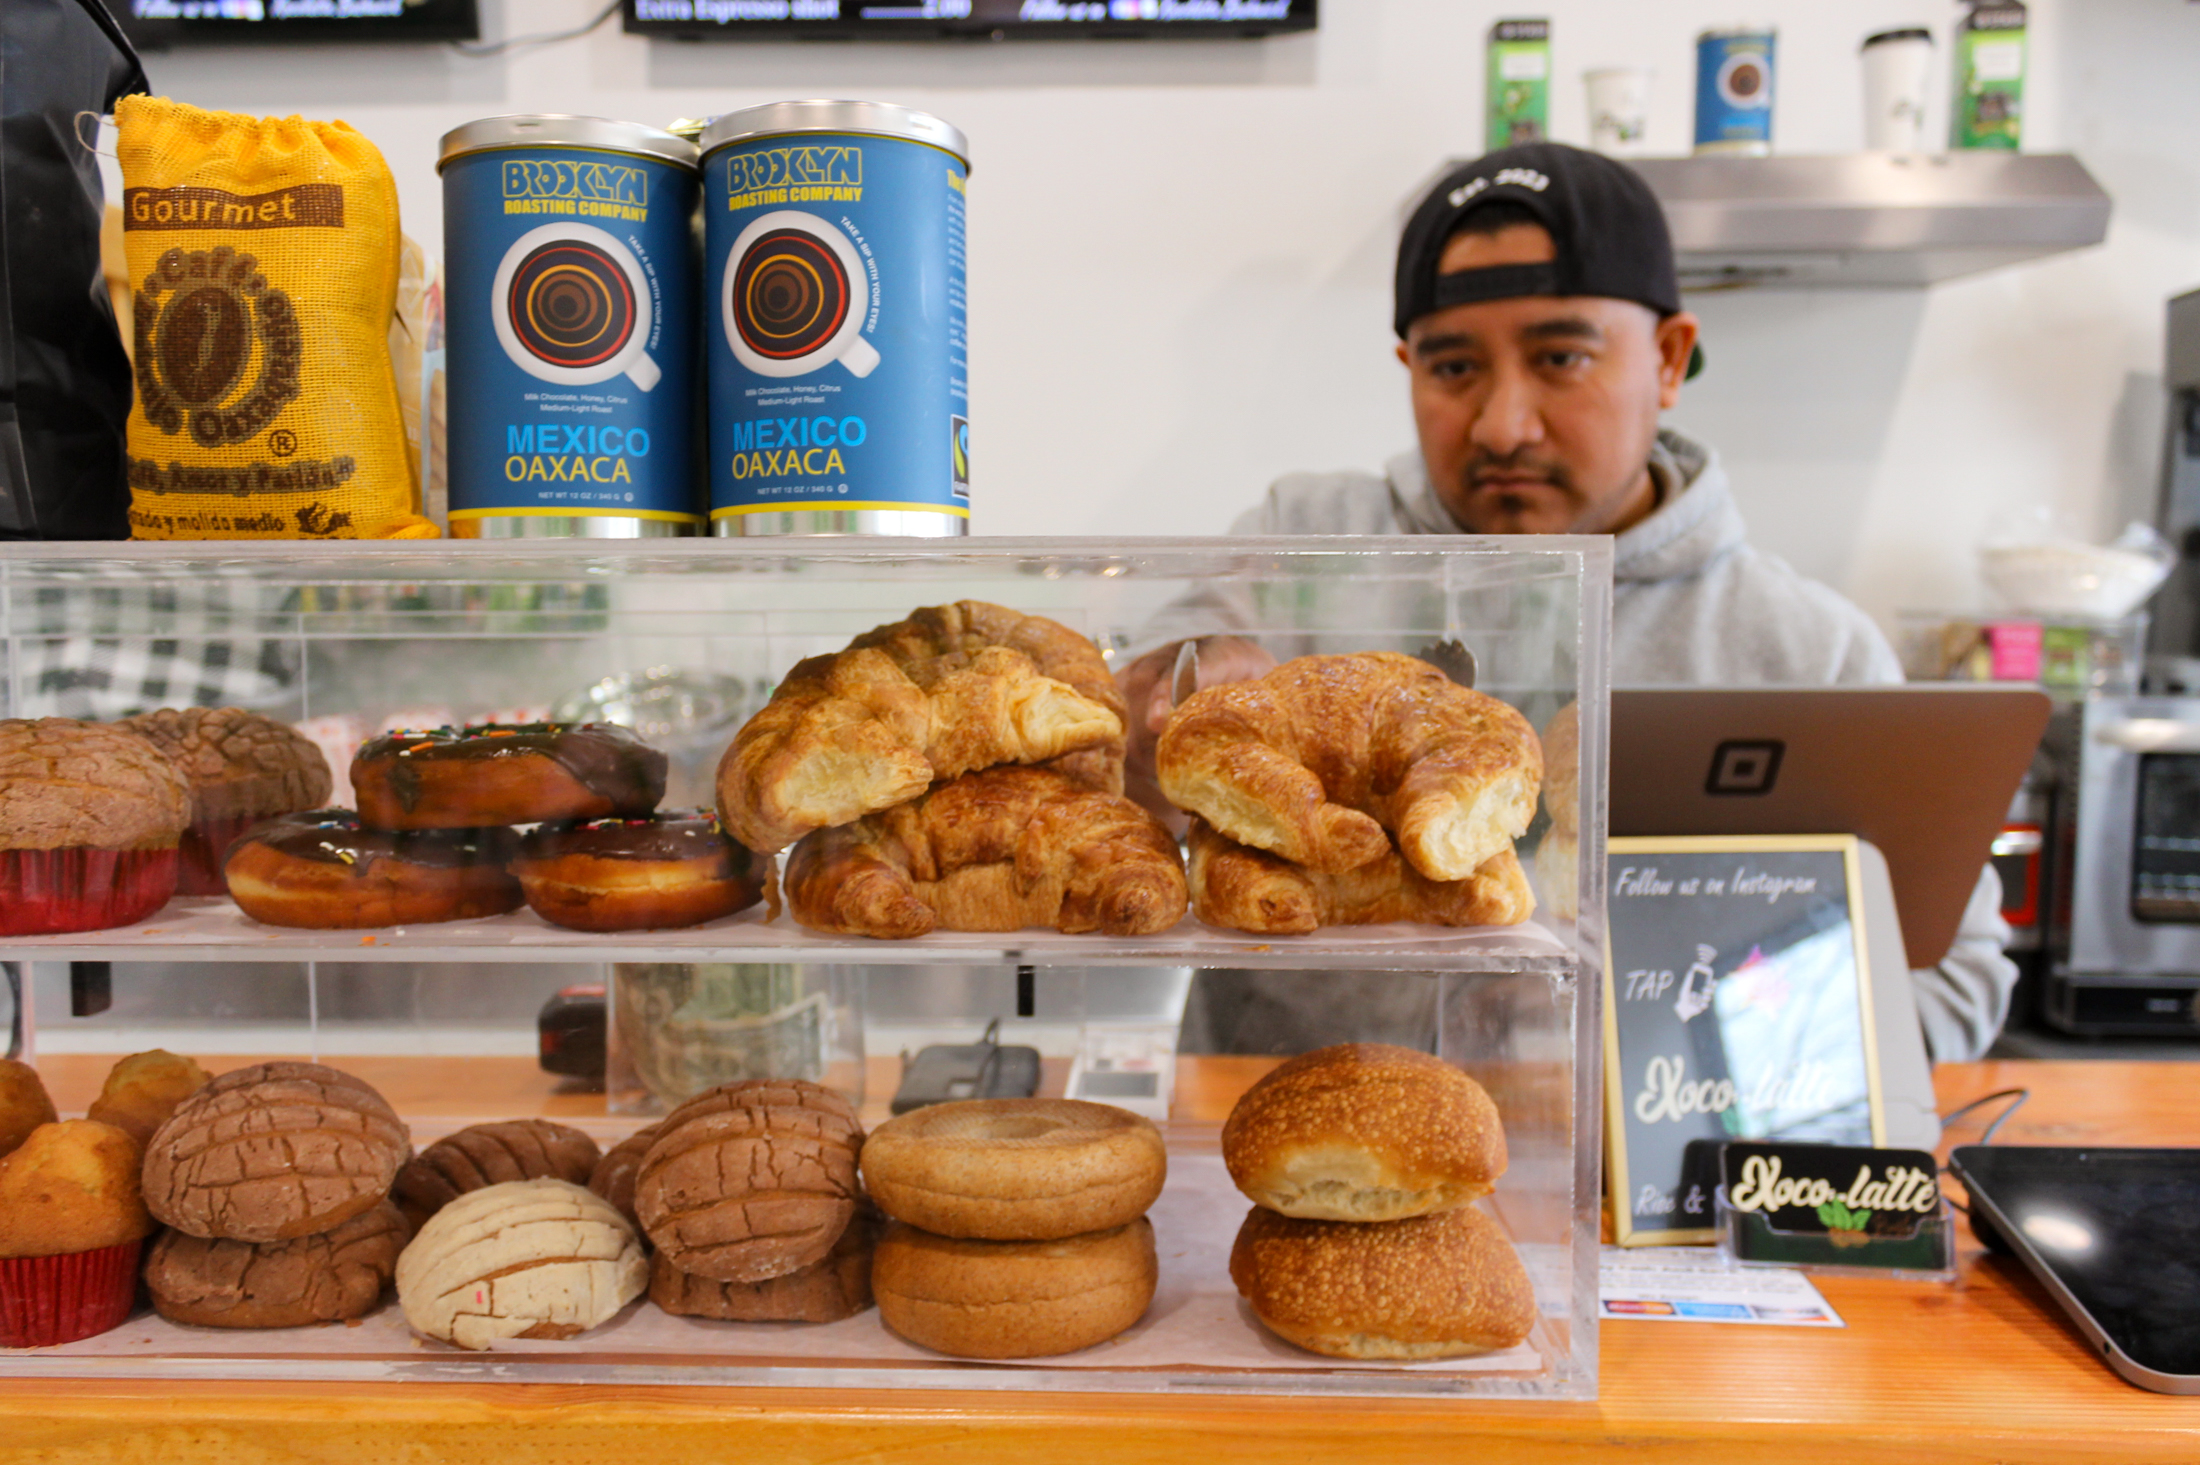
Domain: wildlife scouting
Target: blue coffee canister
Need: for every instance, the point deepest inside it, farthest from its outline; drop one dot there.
(1734, 72)
(569, 284)
(835, 324)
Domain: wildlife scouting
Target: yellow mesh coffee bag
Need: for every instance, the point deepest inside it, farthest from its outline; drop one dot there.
(263, 259)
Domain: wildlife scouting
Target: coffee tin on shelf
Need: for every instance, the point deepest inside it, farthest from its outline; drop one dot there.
(569, 285)
(1734, 71)
(835, 321)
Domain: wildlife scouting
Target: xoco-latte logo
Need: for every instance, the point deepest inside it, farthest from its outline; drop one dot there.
(218, 347)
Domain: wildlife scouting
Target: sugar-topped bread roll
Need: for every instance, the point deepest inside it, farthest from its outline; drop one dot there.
(536, 1258)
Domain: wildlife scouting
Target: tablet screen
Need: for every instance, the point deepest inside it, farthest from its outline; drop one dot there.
(2120, 1229)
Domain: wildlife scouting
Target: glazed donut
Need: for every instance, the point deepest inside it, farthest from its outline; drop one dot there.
(325, 871)
(1318, 759)
(645, 874)
(1015, 1169)
(1013, 1299)
(505, 773)
(952, 689)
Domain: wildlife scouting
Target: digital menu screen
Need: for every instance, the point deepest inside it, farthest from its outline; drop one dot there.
(158, 23)
(884, 19)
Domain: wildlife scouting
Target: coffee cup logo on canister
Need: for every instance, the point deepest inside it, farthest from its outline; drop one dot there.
(795, 297)
(569, 285)
(838, 370)
(571, 305)
(1734, 81)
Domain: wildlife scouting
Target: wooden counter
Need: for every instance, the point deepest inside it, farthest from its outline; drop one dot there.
(1982, 1370)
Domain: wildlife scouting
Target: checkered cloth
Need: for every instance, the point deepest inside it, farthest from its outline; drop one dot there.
(112, 650)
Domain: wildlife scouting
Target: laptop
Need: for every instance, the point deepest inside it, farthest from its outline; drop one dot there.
(2114, 1237)
(1925, 772)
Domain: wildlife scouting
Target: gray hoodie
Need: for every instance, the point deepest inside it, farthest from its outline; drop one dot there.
(1693, 604)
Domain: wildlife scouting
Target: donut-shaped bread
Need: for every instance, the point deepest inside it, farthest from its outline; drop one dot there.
(950, 690)
(751, 1180)
(1015, 1169)
(1364, 1132)
(1013, 1299)
(243, 767)
(490, 1154)
(1319, 758)
(326, 871)
(1442, 1286)
(652, 873)
(328, 1278)
(1249, 889)
(823, 1292)
(272, 1152)
(505, 773)
(997, 850)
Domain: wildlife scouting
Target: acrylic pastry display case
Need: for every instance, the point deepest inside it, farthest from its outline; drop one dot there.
(682, 642)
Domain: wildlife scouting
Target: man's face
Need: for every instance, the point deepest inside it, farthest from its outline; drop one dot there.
(1536, 414)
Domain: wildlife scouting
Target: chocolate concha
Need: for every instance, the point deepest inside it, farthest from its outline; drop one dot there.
(239, 763)
(751, 1180)
(330, 1278)
(824, 1292)
(66, 784)
(490, 1154)
(614, 1175)
(272, 1152)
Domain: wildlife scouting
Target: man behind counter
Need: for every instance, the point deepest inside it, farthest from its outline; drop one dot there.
(1539, 319)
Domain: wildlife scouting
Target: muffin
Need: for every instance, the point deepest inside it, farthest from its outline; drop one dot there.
(71, 1224)
(242, 768)
(23, 1104)
(143, 1090)
(90, 820)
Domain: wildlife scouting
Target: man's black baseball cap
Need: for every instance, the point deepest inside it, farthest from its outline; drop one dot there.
(1605, 225)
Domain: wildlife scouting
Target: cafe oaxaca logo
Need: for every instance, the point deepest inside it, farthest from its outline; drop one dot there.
(218, 348)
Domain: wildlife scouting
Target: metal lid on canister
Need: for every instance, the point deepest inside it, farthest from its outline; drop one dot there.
(876, 119)
(551, 129)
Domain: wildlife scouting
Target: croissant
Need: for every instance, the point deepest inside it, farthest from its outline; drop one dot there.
(952, 689)
(1248, 889)
(1315, 760)
(996, 850)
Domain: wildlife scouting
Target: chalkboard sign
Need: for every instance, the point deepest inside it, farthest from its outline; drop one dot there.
(1738, 1005)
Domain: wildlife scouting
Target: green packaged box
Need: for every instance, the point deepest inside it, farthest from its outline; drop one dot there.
(1520, 83)
(1988, 111)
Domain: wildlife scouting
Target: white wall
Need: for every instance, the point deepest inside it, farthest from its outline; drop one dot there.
(1180, 254)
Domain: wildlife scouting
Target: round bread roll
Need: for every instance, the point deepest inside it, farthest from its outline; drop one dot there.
(274, 1151)
(1440, 1286)
(24, 1104)
(144, 1089)
(1013, 1299)
(328, 1278)
(614, 1175)
(751, 1180)
(1364, 1132)
(71, 1186)
(525, 1259)
(490, 1154)
(1015, 1169)
(835, 1288)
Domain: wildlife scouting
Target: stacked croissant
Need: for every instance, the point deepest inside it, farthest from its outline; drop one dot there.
(960, 770)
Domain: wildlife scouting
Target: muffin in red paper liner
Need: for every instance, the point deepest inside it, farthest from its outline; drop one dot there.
(72, 1221)
(90, 819)
(242, 768)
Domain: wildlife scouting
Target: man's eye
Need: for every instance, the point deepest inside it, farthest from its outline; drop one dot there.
(1450, 368)
(1564, 360)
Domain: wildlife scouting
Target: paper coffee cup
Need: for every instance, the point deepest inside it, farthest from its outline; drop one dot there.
(1898, 67)
(1619, 110)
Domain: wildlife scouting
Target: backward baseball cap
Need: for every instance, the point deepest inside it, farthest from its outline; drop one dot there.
(1608, 234)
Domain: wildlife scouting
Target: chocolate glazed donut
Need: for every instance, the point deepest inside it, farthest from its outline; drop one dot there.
(654, 873)
(324, 871)
(505, 773)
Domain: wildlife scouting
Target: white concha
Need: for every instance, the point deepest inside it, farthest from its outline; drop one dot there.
(525, 1259)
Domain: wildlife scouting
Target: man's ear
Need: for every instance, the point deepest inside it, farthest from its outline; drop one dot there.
(1676, 343)
(1405, 358)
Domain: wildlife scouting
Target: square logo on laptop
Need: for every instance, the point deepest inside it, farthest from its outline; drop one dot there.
(1745, 766)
